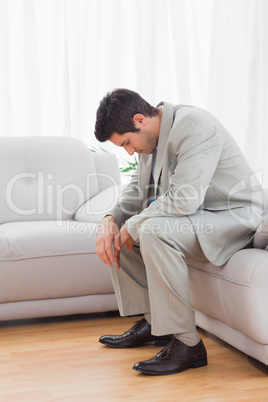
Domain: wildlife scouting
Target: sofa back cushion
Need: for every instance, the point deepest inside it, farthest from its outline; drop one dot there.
(44, 178)
(108, 170)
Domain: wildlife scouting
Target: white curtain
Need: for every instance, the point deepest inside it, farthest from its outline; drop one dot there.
(58, 58)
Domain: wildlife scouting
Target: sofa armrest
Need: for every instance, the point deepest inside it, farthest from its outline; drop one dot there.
(99, 205)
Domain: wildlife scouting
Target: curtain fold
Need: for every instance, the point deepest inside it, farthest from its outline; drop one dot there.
(59, 58)
(256, 96)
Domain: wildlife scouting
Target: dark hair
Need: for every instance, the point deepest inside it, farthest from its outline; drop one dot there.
(116, 111)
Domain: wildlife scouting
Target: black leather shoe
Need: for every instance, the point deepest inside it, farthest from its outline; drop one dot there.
(138, 335)
(174, 358)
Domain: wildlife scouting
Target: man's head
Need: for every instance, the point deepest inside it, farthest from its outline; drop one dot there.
(127, 120)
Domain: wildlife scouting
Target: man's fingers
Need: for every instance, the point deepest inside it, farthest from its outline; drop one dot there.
(117, 242)
(117, 259)
(130, 247)
(109, 250)
(105, 259)
(102, 254)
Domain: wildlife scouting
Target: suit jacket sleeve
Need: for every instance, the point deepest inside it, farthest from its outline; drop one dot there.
(197, 149)
(129, 201)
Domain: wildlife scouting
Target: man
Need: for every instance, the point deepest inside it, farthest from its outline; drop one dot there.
(193, 195)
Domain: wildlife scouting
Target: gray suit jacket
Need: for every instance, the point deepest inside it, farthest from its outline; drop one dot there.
(200, 173)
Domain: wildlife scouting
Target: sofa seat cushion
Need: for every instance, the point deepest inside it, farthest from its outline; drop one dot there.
(49, 259)
(23, 240)
(261, 236)
(234, 293)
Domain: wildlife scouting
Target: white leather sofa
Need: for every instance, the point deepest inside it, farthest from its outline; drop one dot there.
(53, 192)
(48, 262)
(231, 301)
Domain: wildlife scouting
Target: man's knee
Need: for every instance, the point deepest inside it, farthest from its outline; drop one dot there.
(152, 227)
(177, 232)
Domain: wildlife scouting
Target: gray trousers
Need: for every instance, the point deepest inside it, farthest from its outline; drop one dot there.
(153, 278)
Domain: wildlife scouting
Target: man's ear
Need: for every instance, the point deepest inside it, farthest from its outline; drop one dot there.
(139, 120)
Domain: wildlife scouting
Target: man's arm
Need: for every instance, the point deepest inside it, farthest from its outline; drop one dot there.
(129, 201)
(109, 239)
(198, 155)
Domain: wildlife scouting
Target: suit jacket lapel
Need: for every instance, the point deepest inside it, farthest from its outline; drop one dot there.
(146, 162)
(165, 127)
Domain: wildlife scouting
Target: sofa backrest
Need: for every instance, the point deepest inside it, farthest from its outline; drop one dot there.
(46, 178)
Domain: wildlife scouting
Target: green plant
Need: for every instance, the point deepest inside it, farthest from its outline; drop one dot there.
(97, 148)
(131, 166)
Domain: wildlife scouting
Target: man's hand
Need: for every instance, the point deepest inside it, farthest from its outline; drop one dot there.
(125, 238)
(108, 241)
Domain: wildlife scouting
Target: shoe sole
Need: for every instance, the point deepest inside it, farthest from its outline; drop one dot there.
(156, 343)
(200, 363)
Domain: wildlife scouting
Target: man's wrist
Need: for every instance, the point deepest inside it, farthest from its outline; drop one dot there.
(109, 218)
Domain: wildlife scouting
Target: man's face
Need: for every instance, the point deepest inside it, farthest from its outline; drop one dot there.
(140, 142)
(143, 141)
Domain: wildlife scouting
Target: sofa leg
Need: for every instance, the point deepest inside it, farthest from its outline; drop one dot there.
(259, 365)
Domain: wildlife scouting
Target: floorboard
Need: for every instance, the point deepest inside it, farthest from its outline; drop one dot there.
(60, 359)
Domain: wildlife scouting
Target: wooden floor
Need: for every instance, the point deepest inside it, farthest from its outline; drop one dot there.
(60, 359)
